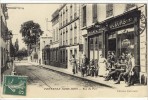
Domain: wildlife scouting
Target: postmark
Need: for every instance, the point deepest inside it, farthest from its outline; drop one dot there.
(14, 85)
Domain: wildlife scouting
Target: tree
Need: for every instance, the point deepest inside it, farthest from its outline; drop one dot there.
(16, 45)
(12, 49)
(21, 53)
(31, 32)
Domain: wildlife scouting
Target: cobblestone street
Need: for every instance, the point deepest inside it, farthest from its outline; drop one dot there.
(48, 78)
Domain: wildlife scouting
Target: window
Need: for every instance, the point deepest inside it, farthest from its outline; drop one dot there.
(66, 55)
(71, 12)
(66, 15)
(109, 10)
(61, 19)
(75, 9)
(63, 37)
(94, 12)
(100, 41)
(96, 44)
(75, 34)
(130, 5)
(57, 34)
(61, 56)
(84, 16)
(75, 53)
(66, 36)
(91, 43)
(54, 35)
(71, 34)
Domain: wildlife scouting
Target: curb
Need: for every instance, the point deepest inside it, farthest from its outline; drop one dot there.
(102, 84)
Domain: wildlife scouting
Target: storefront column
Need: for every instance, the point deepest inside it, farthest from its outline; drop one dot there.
(94, 47)
(103, 44)
(106, 44)
(116, 53)
(88, 48)
(98, 47)
(137, 47)
(137, 43)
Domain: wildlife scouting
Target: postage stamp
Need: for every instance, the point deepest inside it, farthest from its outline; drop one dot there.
(14, 85)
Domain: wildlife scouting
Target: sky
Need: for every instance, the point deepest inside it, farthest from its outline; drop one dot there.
(36, 12)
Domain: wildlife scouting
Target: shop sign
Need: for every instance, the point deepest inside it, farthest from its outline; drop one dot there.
(142, 26)
(96, 31)
(121, 22)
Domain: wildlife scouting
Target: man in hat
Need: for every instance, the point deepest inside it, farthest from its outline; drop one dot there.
(74, 64)
(85, 66)
(128, 69)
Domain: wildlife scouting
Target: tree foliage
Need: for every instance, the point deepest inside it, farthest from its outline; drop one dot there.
(31, 32)
(21, 53)
(16, 45)
(12, 49)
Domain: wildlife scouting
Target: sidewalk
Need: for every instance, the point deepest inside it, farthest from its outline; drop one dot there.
(9, 71)
(6, 72)
(99, 80)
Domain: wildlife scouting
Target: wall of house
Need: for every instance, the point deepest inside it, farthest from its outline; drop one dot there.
(3, 32)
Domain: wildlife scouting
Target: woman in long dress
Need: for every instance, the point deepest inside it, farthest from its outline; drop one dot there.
(102, 66)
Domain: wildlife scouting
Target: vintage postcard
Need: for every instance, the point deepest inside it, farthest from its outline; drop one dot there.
(73, 50)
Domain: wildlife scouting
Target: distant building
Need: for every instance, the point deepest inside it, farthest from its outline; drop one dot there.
(70, 34)
(54, 47)
(45, 39)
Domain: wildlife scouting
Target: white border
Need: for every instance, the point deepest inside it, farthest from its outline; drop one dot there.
(74, 1)
(75, 99)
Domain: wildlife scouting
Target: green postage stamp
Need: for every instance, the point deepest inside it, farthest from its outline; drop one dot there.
(14, 85)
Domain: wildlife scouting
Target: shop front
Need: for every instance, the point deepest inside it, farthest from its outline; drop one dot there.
(119, 35)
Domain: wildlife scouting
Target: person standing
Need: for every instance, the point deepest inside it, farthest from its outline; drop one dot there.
(85, 66)
(132, 74)
(102, 66)
(74, 64)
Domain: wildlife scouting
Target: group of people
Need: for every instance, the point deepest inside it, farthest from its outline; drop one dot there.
(119, 69)
(123, 69)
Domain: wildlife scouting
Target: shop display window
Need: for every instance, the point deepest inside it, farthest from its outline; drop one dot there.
(125, 43)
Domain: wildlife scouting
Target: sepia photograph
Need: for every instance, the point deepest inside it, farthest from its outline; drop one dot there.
(73, 50)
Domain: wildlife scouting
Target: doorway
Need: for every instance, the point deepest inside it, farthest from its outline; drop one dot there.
(112, 44)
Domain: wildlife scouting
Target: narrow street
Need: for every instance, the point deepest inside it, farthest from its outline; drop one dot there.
(48, 78)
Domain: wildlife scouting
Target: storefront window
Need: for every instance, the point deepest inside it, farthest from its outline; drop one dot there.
(96, 44)
(91, 43)
(100, 41)
(125, 43)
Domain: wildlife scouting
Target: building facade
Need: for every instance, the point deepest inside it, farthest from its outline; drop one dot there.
(54, 47)
(106, 28)
(3, 38)
(45, 40)
(70, 34)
